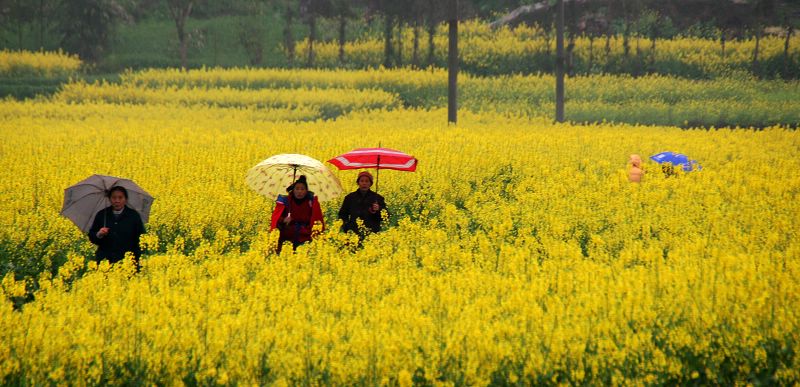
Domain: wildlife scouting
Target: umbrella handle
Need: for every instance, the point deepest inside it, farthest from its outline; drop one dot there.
(377, 171)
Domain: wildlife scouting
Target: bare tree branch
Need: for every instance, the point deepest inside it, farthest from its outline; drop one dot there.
(542, 6)
(525, 10)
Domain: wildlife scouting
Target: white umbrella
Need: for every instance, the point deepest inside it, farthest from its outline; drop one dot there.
(83, 200)
(271, 176)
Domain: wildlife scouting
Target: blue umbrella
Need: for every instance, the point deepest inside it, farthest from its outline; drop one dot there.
(676, 159)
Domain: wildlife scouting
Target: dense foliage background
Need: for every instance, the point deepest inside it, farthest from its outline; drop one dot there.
(116, 34)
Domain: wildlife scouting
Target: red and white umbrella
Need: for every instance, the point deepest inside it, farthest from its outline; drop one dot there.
(378, 158)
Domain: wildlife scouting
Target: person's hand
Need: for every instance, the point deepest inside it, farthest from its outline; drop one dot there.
(287, 219)
(375, 208)
(103, 232)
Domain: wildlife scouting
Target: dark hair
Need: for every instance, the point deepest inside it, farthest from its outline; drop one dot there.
(300, 180)
(668, 169)
(118, 188)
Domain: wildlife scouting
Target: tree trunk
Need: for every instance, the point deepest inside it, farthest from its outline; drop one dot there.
(569, 56)
(20, 15)
(626, 32)
(415, 46)
(431, 44)
(431, 28)
(755, 49)
(312, 36)
(786, 49)
(180, 25)
(547, 38)
(626, 47)
(399, 53)
(570, 29)
(387, 41)
(342, 36)
(42, 22)
(19, 33)
(722, 42)
(653, 53)
(591, 54)
(288, 38)
(180, 11)
(609, 32)
(452, 64)
(655, 32)
(560, 61)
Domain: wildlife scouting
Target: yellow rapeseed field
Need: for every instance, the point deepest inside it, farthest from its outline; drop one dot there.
(652, 99)
(38, 64)
(518, 252)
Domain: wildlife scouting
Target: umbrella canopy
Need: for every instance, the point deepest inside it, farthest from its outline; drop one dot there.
(379, 158)
(83, 200)
(271, 176)
(676, 159)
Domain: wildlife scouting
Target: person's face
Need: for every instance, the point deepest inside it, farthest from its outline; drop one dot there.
(118, 200)
(300, 191)
(364, 183)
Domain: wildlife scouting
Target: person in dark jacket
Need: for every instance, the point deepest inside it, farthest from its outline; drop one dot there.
(363, 204)
(116, 229)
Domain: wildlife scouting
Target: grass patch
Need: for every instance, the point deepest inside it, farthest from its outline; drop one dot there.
(213, 42)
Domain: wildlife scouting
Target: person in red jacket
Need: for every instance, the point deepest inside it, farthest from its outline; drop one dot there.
(296, 214)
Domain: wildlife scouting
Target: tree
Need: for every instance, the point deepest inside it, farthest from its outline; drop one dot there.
(251, 31)
(180, 10)
(434, 16)
(44, 10)
(343, 10)
(391, 11)
(310, 10)
(790, 12)
(413, 13)
(86, 27)
(560, 61)
(452, 62)
(15, 14)
(288, 8)
(765, 10)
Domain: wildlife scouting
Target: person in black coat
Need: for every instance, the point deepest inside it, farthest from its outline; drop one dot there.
(116, 229)
(363, 204)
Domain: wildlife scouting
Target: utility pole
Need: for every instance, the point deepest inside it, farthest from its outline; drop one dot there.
(560, 61)
(452, 64)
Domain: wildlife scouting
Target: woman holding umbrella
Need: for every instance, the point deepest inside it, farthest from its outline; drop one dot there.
(296, 214)
(363, 204)
(116, 229)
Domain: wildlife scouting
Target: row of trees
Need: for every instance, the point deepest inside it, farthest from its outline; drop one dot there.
(655, 19)
(86, 27)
